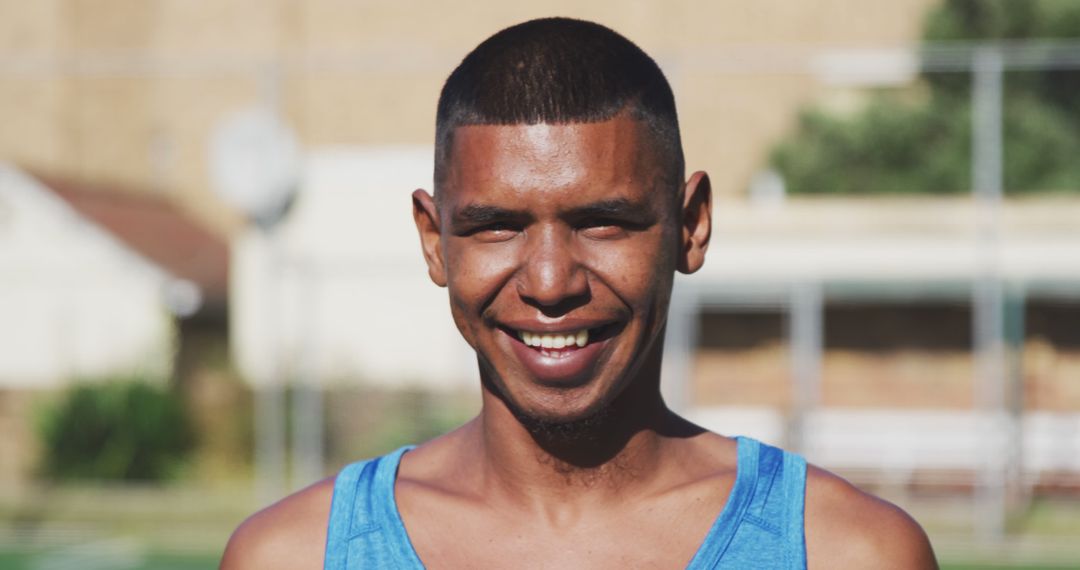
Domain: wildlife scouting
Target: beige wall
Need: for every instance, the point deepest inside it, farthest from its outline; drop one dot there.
(78, 96)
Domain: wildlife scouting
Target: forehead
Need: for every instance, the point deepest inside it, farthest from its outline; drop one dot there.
(550, 159)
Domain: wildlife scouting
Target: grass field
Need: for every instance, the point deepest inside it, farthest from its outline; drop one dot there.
(36, 560)
(185, 528)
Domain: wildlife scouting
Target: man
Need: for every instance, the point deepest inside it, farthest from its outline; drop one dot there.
(559, 217)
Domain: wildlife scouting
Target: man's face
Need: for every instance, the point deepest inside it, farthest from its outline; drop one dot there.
(558, 245)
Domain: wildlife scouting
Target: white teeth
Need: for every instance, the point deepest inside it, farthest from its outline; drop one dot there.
(539, 340)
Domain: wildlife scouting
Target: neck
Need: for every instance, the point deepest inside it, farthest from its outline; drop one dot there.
(617, 448)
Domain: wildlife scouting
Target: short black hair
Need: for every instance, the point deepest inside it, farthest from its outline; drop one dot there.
(558, 71)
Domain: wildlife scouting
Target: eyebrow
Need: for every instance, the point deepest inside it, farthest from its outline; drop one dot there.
(479, 214)
(614, 208)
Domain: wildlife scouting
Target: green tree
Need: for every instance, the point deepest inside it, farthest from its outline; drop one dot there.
(896, 145)
(126, 429)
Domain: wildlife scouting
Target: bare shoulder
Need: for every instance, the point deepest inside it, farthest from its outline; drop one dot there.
(848, 528)
(291, 533)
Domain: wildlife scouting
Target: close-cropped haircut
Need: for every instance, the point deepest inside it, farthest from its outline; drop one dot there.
(558, 71)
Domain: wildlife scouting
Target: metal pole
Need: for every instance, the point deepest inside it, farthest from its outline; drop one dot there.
(988, 295)
(805, 322)
(271, 408)
(307, 433)
(270, 444)
(270, 392)
(1014, 325)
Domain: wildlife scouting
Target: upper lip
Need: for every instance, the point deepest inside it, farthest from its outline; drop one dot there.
(564, 325)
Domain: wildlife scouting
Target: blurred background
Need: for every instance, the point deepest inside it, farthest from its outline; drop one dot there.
(211, 294)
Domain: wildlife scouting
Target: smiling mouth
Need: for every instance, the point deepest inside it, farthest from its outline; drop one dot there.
(555, 345)
(563, 343)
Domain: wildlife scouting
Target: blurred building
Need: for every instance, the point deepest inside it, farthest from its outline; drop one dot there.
(98, 283)
(96, 279)
(338, 292)
(845, 327)
(128, 91)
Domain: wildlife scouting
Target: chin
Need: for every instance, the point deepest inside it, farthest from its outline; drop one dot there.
(556, 415)
(562, 424)
(546, 408)
(536, 404)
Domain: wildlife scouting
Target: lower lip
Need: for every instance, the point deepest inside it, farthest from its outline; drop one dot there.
(571, 368)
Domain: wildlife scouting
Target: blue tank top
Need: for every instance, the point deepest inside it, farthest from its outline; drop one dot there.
(760, 526)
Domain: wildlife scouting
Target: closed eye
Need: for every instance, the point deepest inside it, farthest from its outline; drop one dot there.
(609, 228)
(487, 222)
(493, 232)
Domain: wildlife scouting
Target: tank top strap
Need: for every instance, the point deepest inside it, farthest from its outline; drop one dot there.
(364, 529)
(761, 525)
(777, 504)
(793, 490)
(770, 462)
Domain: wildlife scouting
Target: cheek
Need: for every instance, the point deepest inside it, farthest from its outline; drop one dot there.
(638, 271)
(475, 275)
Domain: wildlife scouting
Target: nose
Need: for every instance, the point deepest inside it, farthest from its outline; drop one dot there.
(552, 275)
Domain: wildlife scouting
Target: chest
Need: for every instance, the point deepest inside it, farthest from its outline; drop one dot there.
(635, 534)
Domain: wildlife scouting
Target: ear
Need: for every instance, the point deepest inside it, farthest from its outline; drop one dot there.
(426, 216)
(696, 222)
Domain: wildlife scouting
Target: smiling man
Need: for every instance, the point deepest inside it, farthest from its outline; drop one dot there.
(559, 217)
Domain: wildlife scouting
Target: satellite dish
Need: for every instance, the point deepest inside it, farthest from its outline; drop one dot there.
(255, 164)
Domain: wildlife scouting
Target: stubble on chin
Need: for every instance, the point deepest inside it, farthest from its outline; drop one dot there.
(565, 431)
(546, 427)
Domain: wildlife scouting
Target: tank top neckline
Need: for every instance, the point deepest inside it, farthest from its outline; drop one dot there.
(708, 553)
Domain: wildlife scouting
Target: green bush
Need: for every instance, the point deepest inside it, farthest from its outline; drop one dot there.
(125, 429)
